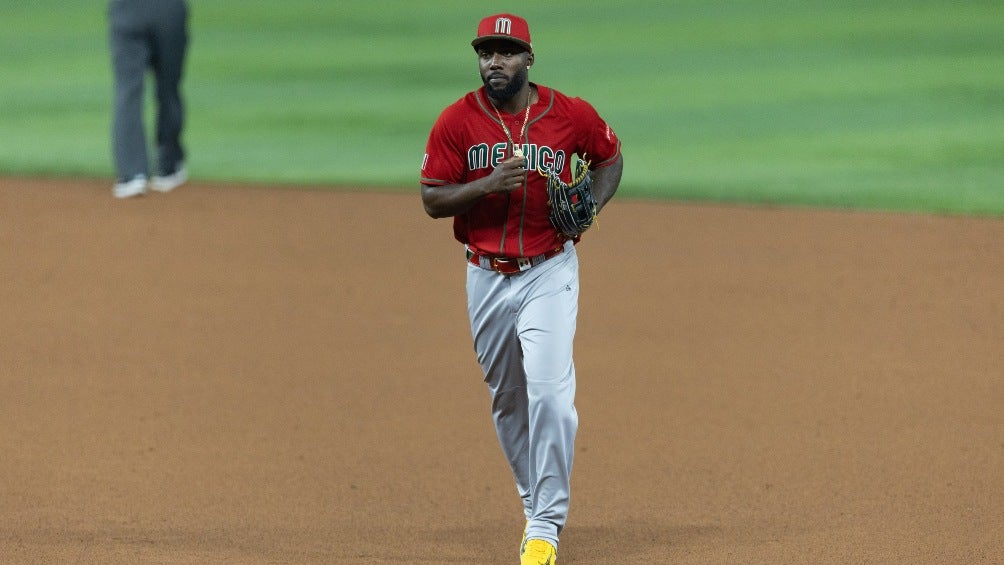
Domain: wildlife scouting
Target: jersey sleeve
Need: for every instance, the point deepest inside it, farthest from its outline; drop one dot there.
(443, 162)
(599, 142)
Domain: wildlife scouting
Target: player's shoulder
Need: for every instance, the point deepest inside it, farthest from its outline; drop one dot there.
(566, 102)
(458, 115)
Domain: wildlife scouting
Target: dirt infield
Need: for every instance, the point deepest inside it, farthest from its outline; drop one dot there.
(233, 375)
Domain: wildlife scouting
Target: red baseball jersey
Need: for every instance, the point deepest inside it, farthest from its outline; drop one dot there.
(467, 142)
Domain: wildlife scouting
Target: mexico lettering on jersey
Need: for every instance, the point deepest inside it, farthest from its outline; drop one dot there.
(467, 142)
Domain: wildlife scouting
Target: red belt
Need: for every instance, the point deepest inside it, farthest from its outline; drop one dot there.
(510, 265)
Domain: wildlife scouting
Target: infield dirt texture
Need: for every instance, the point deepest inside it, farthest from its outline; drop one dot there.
(251, 375)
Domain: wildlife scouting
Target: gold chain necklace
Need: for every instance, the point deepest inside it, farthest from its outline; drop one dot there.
(516, 151)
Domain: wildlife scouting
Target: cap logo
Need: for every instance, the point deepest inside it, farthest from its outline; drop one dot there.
(503, 26)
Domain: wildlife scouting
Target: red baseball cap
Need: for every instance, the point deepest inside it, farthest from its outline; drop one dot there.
(504, 26)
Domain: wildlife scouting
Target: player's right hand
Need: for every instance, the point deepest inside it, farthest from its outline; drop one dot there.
(509, 175)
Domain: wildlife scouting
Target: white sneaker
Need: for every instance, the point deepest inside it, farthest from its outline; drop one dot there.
(134, 187)
(167, 183)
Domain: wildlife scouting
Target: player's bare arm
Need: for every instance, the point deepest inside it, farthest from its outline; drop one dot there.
(606, 181)
(454, 199)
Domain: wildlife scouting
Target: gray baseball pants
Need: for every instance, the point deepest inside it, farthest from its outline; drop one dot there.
(147, 35)
(523, 327)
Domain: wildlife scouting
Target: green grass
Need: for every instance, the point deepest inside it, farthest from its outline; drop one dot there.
(845, 103)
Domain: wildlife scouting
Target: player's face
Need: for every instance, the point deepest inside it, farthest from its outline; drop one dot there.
(503, 67)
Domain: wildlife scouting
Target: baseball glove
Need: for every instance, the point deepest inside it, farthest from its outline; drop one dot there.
(573, 207)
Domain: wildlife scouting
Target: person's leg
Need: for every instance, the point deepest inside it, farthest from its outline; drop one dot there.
(171, 44)
(130, 58)
(546, 326)
(492, 316)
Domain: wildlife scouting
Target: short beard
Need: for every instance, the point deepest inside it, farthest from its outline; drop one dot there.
(510, 90)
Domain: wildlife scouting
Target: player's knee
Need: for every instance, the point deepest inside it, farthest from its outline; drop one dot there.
(557, 402)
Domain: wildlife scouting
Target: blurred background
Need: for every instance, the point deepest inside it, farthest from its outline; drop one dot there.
(883, 104)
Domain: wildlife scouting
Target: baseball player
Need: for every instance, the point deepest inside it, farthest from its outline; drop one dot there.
(487, 164)
(147, 35)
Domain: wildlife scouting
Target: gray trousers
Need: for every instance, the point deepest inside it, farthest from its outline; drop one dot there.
(147, 35)
(524, 327)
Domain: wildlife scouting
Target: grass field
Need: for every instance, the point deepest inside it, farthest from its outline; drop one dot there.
(847, 103)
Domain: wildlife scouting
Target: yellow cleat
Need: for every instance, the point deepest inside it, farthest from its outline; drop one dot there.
(537, 552)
